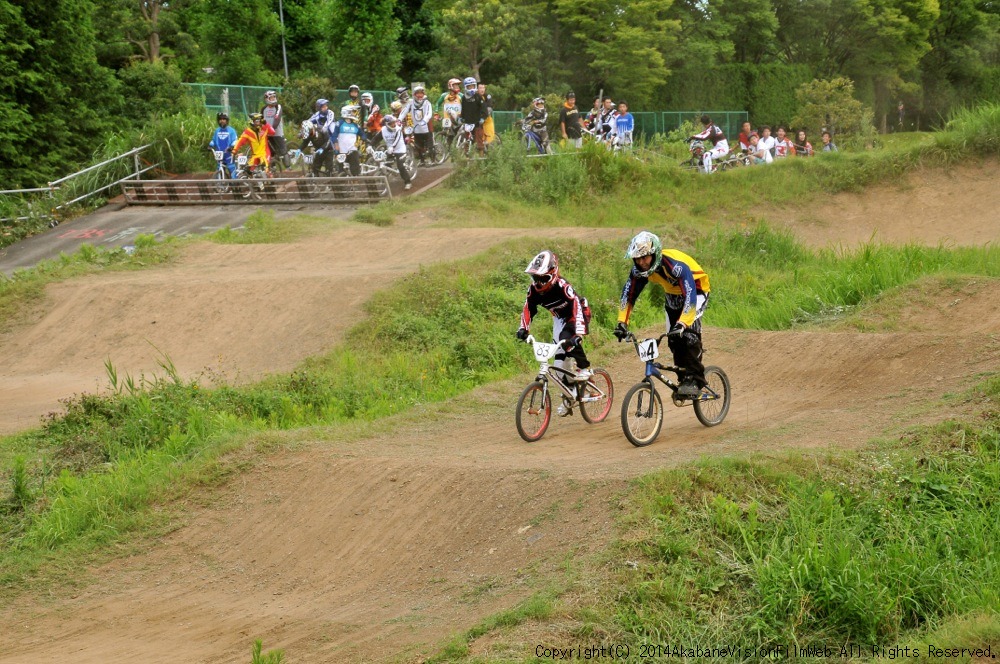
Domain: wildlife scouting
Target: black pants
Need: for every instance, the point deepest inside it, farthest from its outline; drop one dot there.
(403, 173)
(567, 332)
(354, 162)
(425, 145)
(278, 147)
(687, 348)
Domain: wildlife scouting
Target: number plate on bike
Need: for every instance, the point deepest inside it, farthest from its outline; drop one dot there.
(342, 157)
(545, 352)
(648, 350)
(242, 160)
(379, 155)
(218, 155)
(446, 122)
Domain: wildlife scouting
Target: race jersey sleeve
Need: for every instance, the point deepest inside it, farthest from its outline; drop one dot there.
(685, 279)
(529, 310)
(630, 293)
(576, 310)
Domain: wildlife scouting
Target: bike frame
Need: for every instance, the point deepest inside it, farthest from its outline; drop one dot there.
(654, 370)
(561, 377)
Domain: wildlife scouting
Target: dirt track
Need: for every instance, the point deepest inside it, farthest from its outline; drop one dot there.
(375, 549)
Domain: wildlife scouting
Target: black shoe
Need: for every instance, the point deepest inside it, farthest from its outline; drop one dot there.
(688, 388)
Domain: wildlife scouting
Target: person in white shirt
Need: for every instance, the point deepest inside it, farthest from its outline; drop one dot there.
(420, 111)
(767, 142)
(720, 146)
(783, 146)
(395, 143)
(760, 155)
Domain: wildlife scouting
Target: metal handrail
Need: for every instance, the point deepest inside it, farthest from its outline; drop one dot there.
(103, 163)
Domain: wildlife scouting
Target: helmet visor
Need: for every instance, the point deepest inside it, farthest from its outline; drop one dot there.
(541, 279)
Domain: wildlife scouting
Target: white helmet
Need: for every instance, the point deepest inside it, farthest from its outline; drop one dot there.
(349, 112)
(544, 270)
(367, 98)
(645, 244)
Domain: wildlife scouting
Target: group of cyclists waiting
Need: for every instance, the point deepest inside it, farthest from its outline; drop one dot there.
(464, 106)
(760, 146)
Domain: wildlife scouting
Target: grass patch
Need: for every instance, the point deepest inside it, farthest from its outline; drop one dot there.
(262, 228)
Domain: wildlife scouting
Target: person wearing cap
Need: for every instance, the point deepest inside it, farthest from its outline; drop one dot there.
(273, 116)
(569, 121)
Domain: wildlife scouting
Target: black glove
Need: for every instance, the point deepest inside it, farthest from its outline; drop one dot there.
(621, 331)
(521, 334)
(677, 329)
(574, 342)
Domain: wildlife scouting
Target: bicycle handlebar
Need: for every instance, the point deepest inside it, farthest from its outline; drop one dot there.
(530, 339)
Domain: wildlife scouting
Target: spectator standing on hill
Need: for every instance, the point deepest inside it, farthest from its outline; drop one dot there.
(624, 125)
(606, 122)
(489, 132)
(783, 146)
(828, 145)
(745, 136)
(802, 146)
(593, 118)
(569, 121)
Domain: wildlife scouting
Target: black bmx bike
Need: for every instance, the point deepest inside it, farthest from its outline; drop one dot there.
(642, 407)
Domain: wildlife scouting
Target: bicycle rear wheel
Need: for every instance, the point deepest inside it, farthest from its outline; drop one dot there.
(642, 414)
(598, 394)
(534, 412)
(712, 405)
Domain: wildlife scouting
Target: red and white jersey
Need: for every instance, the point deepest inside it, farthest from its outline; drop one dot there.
(561, 300)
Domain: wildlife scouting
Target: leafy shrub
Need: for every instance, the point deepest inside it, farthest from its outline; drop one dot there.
(829, 105)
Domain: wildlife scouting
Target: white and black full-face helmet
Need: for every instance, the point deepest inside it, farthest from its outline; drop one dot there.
(645, 244)
(544, 270)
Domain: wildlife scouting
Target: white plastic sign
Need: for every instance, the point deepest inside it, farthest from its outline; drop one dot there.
(445, 122)
(242, 160)
(379, 155)
(342, 157)
(469, 128)
(545, 352)
(648, 350)
(218, 155)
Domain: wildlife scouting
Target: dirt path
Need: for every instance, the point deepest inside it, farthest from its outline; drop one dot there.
(376, 549)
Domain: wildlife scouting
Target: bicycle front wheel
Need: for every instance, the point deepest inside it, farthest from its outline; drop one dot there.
(712, 404)
(534, 412)
(642, 414)
(598, 394)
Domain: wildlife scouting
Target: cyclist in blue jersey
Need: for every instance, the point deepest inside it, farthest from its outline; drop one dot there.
(224, 138)
(624, 126)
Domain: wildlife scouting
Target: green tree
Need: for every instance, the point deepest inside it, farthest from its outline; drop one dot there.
(829, 104)
(625, 43)
(956, 60)
(475, 33)
(365, 37)
(236, 37)
(56, 100)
